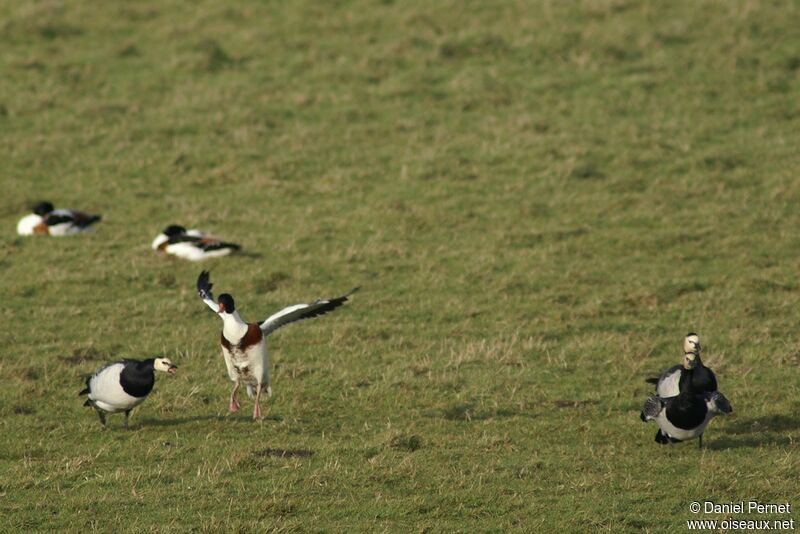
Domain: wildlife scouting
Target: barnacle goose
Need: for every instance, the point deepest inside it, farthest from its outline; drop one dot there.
(686, 415)
(703, 378)
(121, 386)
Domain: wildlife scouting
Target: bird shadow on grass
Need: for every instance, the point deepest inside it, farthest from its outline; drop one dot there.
(757, 431)
(739, 442)
(762, 425)
(248, 254)
(200, 418)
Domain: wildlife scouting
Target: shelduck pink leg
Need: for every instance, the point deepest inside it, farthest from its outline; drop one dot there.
(257, 407)
(234, 405)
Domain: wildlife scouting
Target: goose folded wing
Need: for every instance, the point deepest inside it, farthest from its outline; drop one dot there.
(298, 312)
(652, 407)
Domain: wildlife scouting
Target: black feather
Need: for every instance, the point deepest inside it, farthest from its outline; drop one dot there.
(218, 245)
(85, 391)
(54, 219)
(661, 438)
(83, 223)
(204, 285)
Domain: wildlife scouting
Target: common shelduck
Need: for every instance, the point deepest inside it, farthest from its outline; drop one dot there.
(192, 245)
(686, 415)
(244, 344)
(46, 220)
(123, 385)
(703, 378)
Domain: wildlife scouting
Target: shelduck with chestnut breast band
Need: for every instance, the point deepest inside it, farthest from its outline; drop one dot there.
(192, 245)
(244, 345)
(46, 220)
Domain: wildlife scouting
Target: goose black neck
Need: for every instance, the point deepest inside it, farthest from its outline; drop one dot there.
(685, 386)
(696, 356)
(137, 380)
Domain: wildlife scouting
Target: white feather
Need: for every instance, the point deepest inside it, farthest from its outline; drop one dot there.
(682, 433)
(107, 393)
(668, 385)
(158, 241)
(26, 225)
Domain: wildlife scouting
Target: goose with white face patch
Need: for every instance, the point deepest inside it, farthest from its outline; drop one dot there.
(703, 378)
(686, 415)
(244, 346)
(121, 386)
(192, 245)
(46, 220)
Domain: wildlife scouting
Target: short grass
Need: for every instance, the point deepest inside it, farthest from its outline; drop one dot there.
(539, 199)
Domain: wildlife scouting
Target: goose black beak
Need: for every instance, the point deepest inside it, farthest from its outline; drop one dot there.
(172, 369)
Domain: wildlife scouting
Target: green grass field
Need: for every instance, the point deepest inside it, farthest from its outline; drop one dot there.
(540, 199)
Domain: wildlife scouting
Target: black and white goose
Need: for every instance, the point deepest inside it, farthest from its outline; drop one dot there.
(121, 386)
(244, 346)
(685, 416)
(46, 220)
(703, 378)
(192, 245)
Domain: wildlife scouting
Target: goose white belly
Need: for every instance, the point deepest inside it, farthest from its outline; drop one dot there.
(119, 404)
(106, 391)
(680, 433)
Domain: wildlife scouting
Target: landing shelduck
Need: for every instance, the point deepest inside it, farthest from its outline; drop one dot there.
(244, 346)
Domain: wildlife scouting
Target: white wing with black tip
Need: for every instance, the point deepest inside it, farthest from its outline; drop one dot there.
(204, 286)
(298, 312)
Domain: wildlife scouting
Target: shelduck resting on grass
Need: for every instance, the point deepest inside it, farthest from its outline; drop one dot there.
(192, 245)
(703, 378)
(686, 415)
(46, 220)
(244, 344)
(121, 386)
